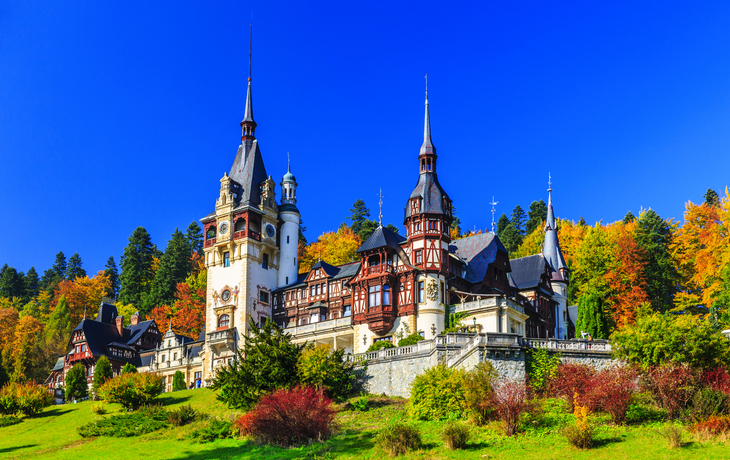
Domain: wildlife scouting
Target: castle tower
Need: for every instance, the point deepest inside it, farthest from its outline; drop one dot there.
(560, 273)
(428, 217)
(289, 234)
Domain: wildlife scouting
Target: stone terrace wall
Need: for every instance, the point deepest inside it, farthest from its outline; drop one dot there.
(391, 371)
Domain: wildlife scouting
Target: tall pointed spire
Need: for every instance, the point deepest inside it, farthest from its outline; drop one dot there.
(551, 245)
(550, 220)
(248, 125)
(427, 147)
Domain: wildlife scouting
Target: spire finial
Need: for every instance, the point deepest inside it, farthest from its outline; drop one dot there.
(380, 216)
(550, 183)
(426, 88)
(493, 203)
(288, 162)
(250, 47)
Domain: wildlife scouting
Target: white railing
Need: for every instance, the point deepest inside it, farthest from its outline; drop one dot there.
(464, 350)
(489, 302)
(569, 345)
(322, 326)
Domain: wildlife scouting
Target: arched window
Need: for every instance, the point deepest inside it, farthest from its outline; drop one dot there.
(386, 295)
(224, 321)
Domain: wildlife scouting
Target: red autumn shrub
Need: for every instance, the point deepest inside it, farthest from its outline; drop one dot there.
(611, 390)
(672, 387)
(510, 400)
(716, 424)
(717, 378)
(289, 417)
(570, 379)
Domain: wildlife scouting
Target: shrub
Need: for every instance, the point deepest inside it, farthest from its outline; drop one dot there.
(410, 340)
(178, 381)
(215, 429)
(129, 368)
(361, 403)
(322, 368)
(132, 390)
(715, 425)
(672, 434)
(510, 398)
(437, 394)
(479, 394)
(8, 420)
(182, 415)
(289, 417)
(717, 378)
(455, 435)
(707, 402)
(102, 373)
(98, 409)
(398, 439)
(580, 435)
(672, 387)
(26, 398)
(76, 386)
(541, 369)
(570, 379)
(137, 423)
(660, 338)
(613, 390)
(380, 345)
(270, 363)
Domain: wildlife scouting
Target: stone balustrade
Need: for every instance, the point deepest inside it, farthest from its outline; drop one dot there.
(319, 327)
(569, 345)
(489, 302)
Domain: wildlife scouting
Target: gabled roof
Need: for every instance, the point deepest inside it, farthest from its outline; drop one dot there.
(136, 331)
(59, 364)
(381, 237)
(201, 337)
(337, 272)
(107, 313)
(527, 271)
(478, 251)
(98, 335)
(328, 269)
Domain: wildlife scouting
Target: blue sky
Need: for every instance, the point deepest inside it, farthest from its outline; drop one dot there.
(126, 114)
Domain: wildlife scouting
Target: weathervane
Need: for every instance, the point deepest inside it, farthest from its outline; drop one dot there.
(380, 216)
(550, 183)
(250, 47)
(426, 77)
(493, 203)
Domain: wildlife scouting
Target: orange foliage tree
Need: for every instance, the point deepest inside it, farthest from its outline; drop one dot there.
(25, 351)
(188, 311)
(83, 293)
(334, 248)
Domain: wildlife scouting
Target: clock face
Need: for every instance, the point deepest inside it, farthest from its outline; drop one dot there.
(224, 228)
(270, 230)
(225, 295)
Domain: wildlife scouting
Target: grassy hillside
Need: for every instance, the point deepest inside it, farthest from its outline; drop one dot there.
(53, 435)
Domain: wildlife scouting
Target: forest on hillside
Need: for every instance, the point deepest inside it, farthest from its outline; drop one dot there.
(620, 271)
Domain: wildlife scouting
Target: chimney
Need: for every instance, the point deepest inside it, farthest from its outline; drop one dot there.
(135, 318)
(120, 321)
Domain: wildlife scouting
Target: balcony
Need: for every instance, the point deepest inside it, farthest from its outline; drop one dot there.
(320, 327)
(220, 341)
(247, 234)
(488, 303)
(209, 242)
(380, 269)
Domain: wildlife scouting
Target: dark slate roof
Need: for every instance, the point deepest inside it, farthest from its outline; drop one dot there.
(107, 313)
(201, 337)
(429, 189)
(194, 352)
(347, 270)
(478, 251)
(145, 359)
(121, 345)
(59, 364)
(338, 272)
(248, 172)
(330, 270)
(526, 271)
(382, 236)
(98, 335)
(551, 245)
(136, 331)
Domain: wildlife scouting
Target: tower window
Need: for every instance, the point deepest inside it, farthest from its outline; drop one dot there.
(224, 320)
(419, 257)
(374, 299)
(420, 292)
(264, 296)
(287, 239)
(386, 295)
(265, 262)
(226, 259)
(287, 280)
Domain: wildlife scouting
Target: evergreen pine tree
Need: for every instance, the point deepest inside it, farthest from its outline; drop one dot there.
(302, 229)
(591, 318)
(502, 224)
(76, 386)
(629, 217)
(712, 198)
(111, 272)
(59, 267)
(359, 217)
(178, 382)
(73, 269)
(174, 268)
(455, 222)
(11, 283)
(582, 222)
(102, 372)
(518, 219)
(32, 284)
(654, 237)
(194, 237)
(392, 228)
(136, 264)
(536, 215)
(367, 229)
(58, 328)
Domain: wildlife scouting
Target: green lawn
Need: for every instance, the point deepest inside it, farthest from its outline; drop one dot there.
(52, 435)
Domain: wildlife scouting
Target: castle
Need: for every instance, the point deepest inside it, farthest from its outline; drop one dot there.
(401, 284)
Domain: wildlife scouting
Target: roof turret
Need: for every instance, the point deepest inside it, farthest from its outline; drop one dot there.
(551, 245)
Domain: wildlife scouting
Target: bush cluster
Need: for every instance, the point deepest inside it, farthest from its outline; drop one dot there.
(8, 420)
(214, 429)
(410, 340)
(289, 417)
(580, 435)
(455, 435)
(398, 439)
(142, 421)
(24, 398)
(438, 394)
(132, 390)
(324, 369)
(182, 415)
(714, 425)
(380, 345)
(672, 387)
(510, 399)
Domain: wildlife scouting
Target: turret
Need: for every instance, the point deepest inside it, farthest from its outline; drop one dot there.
(560, 273)
(289, 242)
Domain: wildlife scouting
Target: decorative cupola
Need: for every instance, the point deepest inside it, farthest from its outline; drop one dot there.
(289, 187)
(248, 125)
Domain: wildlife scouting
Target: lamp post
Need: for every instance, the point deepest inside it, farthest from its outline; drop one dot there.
(475, 324)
